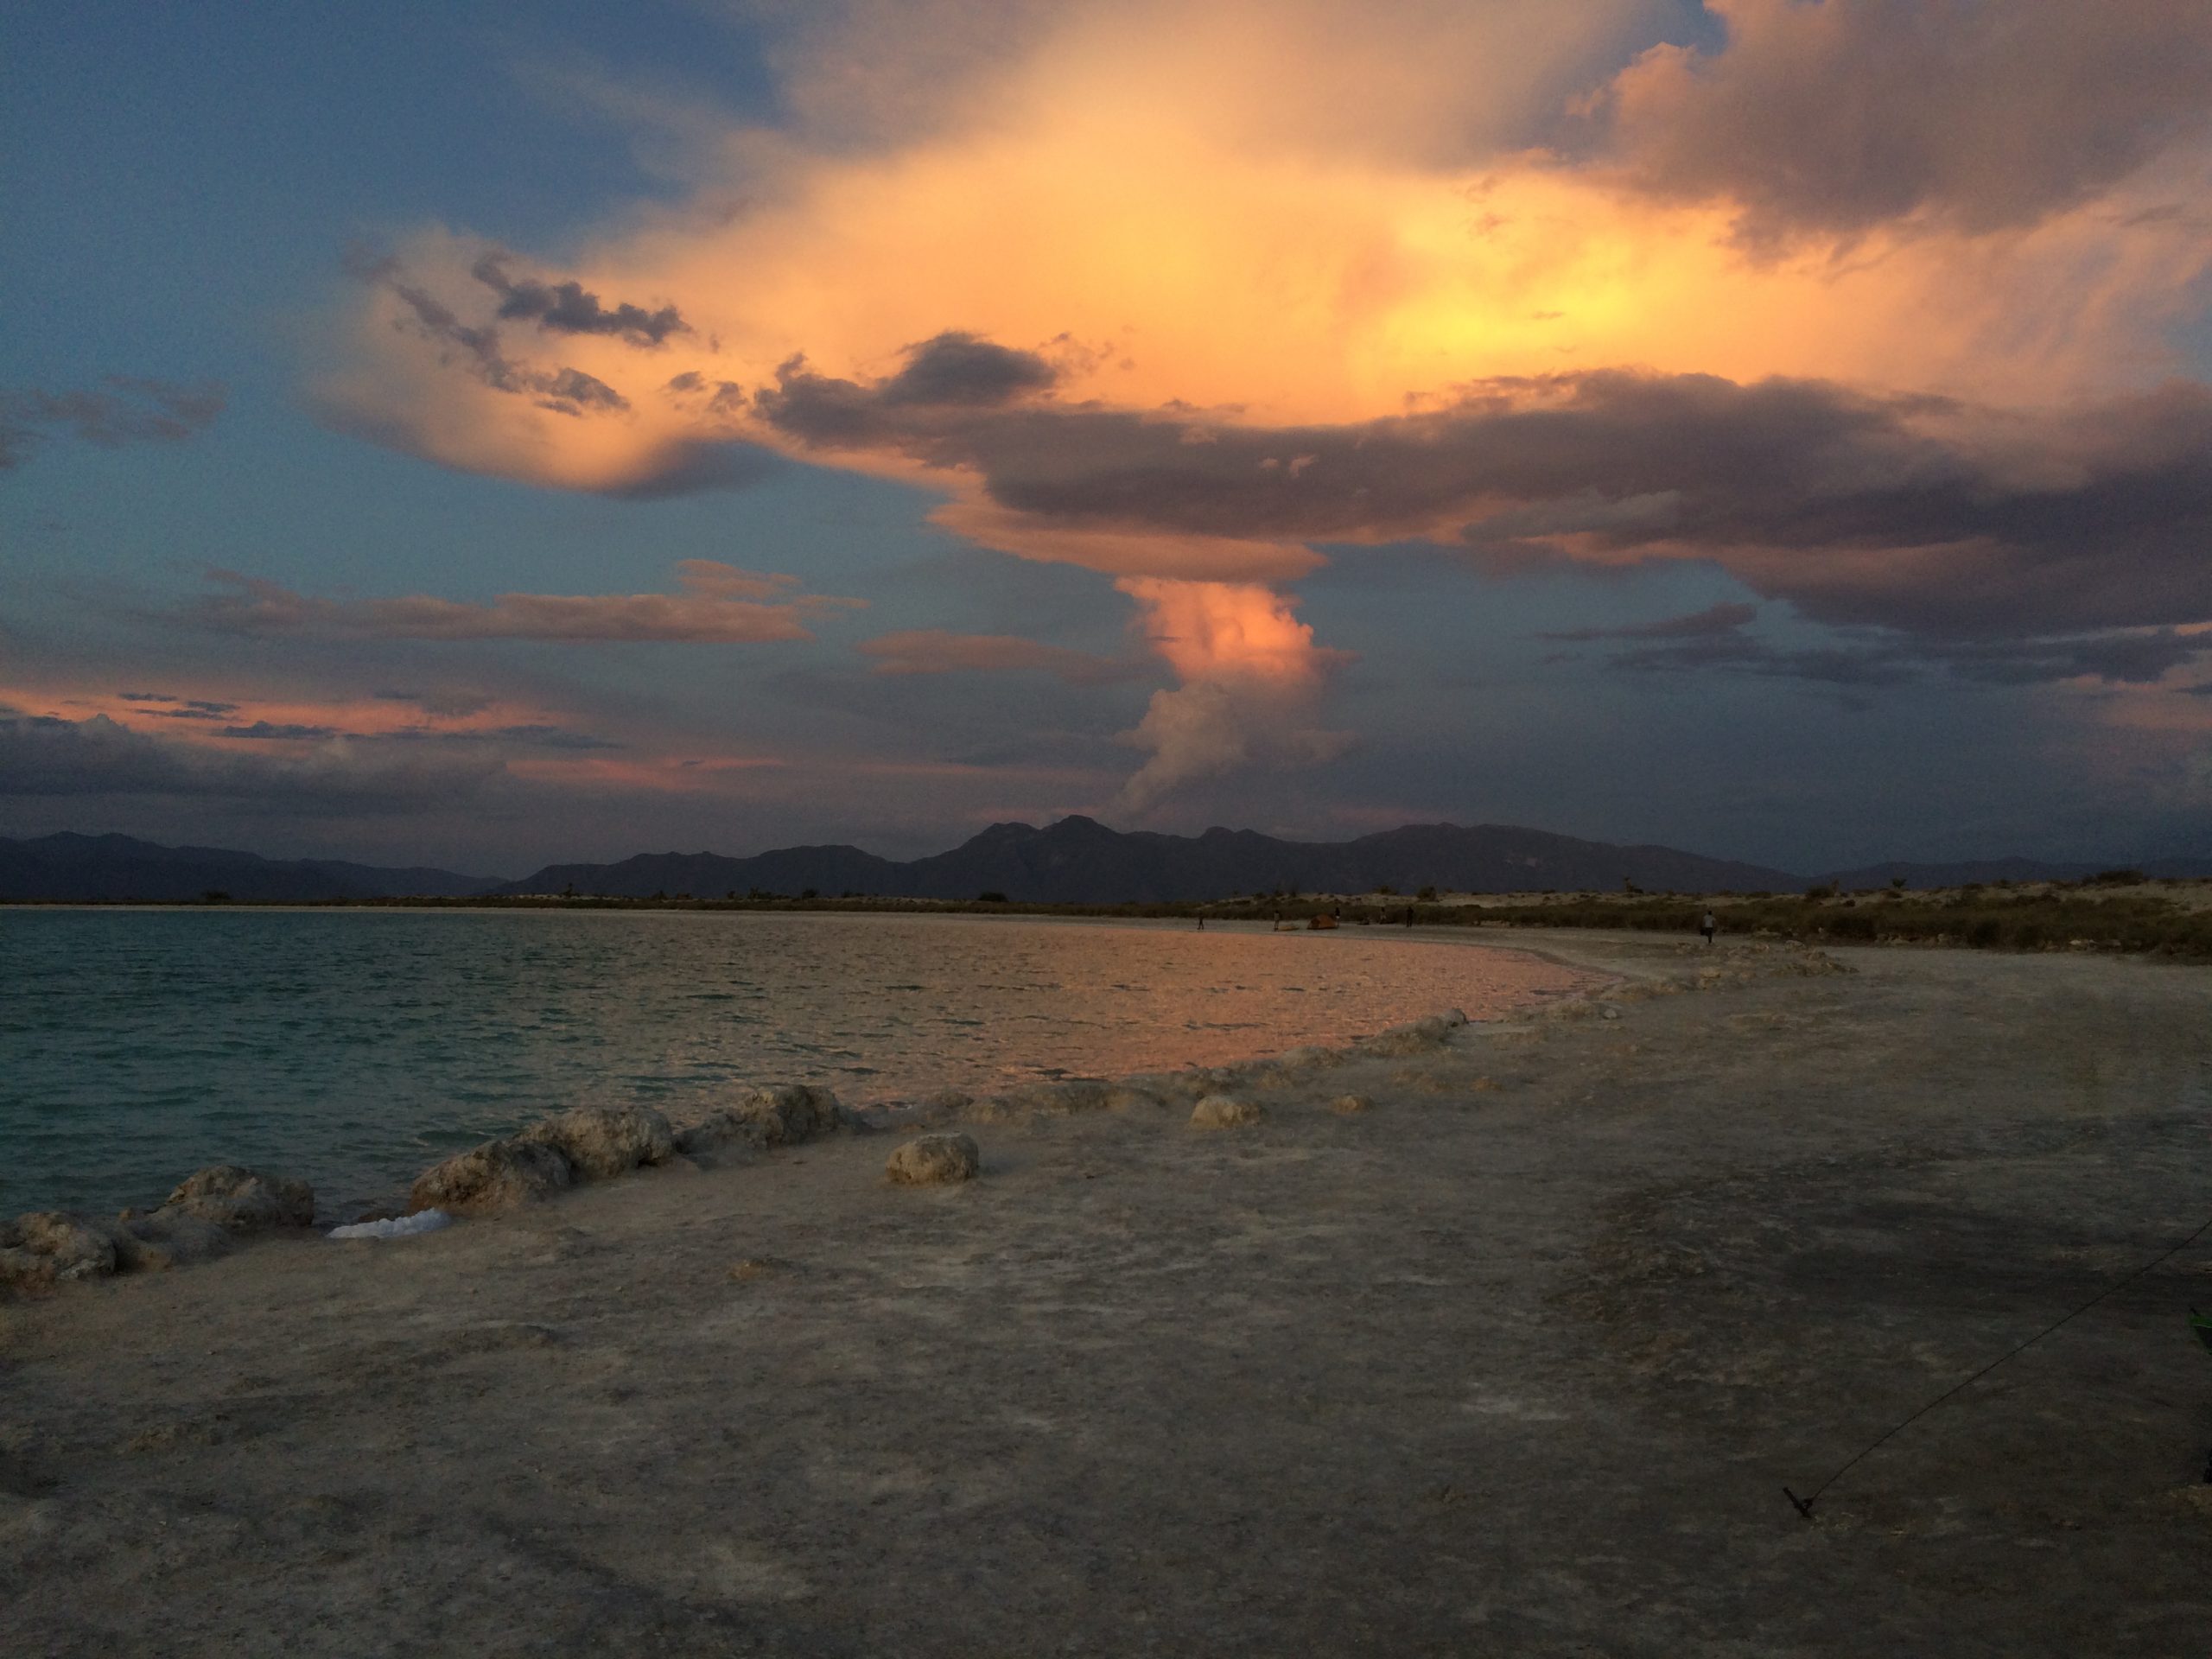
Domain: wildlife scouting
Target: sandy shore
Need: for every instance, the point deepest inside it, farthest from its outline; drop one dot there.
(1516, 1362)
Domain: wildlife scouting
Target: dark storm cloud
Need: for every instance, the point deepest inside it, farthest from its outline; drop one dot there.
(43, 755)
(131, 410)
(1838, 117)
(1719, 638)
(162, 706)
(961, 369)
(1904, 511)
(565, 391)
(280, 731)
(952, 374)
(569, 308)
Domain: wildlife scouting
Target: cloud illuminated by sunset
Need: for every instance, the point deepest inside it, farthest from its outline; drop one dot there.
(1857, 304)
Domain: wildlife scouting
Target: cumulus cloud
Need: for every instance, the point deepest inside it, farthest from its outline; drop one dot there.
(717, 604)
(1501, 277)
(1252, 680)
(126, 410)
(935, 651)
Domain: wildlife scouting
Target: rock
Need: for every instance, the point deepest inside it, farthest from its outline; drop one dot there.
(601, 1142)
(935, 1160)
(168, 1238)
(1223, 1112)
(1350, 1105)
(47, 1247)
(243, 1200)
(790, 1113)
(497, 1175)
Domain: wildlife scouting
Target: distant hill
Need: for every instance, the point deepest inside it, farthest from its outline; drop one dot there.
(1080, 860)
(88, 868)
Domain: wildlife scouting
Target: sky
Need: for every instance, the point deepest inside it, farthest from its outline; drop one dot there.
(485, 435)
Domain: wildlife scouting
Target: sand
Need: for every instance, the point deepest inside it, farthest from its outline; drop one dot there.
(1516, 1361)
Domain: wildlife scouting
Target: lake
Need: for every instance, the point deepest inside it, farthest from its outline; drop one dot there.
(355, 1047)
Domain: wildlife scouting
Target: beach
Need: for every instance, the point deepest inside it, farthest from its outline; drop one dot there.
(1518, 1359)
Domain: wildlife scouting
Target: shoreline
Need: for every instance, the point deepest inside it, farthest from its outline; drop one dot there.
(350, 1199)
(1515, 1359)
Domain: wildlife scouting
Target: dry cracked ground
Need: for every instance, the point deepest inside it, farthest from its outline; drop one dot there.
(1518, 1362)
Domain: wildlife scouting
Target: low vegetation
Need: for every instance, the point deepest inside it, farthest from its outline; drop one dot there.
(2118, 911)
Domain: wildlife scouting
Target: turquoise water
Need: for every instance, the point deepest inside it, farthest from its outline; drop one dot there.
(353, 1048)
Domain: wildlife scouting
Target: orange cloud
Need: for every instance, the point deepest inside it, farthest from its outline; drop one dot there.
(1252, 678)
(1324, 222)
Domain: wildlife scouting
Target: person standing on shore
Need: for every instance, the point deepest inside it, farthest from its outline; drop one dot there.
(1708, 926)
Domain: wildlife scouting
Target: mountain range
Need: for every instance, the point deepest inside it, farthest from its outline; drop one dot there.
(1076, 861)
(91, 868)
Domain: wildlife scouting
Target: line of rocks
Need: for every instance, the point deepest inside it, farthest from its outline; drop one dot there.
(202, 1216)
(215, 1206)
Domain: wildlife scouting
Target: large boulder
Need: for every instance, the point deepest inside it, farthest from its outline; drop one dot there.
(789, 1113)
(47, 1247)
(243, 1200)
(1224, 1112)
(603, 1142)
(935, 1160)
(497, 1175)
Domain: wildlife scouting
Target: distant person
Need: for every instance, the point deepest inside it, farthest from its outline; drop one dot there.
(1708, 926)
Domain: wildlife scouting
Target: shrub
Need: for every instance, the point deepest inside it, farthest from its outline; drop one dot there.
(993, 898)
(1427, 895)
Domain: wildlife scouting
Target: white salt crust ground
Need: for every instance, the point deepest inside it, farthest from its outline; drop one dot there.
(1514, 1361)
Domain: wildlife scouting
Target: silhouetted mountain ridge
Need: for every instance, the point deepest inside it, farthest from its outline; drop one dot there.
(1075, 860)
(68, 866)
(1080, 860)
